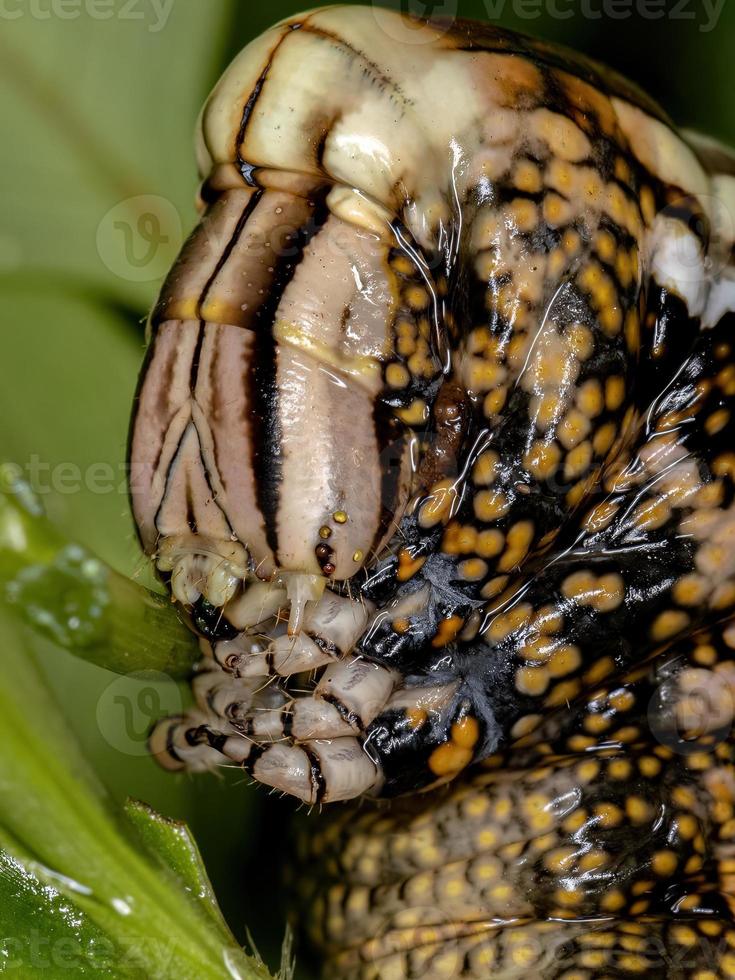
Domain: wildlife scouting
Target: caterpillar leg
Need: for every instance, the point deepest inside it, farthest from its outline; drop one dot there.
(258, 707)
(322, 771)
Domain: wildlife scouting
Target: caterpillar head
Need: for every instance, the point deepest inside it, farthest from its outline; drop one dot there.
(293, 353)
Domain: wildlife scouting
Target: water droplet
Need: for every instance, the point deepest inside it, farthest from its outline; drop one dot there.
(66, 599)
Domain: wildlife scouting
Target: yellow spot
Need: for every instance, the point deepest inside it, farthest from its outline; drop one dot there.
(664, 863)
(473, 569)
(604, 438)
(578, 461)
(649, 766)
(599, 670)
(608, 815)
(588, 770)
(357, 556)
(466, 732)
(561, 860)
(589, 398)
(416, 717)
(438, 504)
(527, 177)
(717, 421)
(325, 532)
(542, 460)
(613, 901)
(580, 341)
(447, 632)
(532, 680)
(449, 759)
(408, 566)
(634, 964)
(690, 590)
(614, 393)
(573, 429)
(397, 376)
(564, 660)
(490, 505)
(340, 517)
(575, 821)
(486, 467)
(417, 297)
(668, 624)
(489, 543)
(416, 413)
(619, 769)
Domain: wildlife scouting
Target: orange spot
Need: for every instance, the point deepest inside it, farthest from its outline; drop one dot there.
(449, 759)
(466, 732)
(416, 717)
(448, 629)
(408, 565)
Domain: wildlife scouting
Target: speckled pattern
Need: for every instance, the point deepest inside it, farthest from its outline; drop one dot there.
(435, 446)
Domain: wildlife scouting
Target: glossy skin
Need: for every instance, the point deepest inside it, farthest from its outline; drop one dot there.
(468, 429)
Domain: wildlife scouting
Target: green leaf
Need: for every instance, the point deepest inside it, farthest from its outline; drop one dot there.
(89, 874)
(67, 594)
(171, 843)
(98, 160)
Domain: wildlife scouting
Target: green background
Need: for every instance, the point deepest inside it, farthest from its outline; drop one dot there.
(97, 112)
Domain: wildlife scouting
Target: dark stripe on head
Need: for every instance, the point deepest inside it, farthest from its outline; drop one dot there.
(265, 424)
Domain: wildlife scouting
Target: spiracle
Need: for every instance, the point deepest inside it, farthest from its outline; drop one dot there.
(434, 445)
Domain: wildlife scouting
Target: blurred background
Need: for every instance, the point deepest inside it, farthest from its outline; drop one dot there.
(98, 101)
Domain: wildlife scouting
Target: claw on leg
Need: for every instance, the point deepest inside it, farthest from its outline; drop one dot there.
(261, 703)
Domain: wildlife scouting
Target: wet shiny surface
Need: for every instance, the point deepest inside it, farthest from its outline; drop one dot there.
(447, 485)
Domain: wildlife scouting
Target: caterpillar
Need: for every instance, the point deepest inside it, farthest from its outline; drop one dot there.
(433, 445)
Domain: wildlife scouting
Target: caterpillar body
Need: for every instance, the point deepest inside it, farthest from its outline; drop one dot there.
(434, 446)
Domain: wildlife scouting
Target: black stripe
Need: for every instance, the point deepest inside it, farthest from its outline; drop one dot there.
(252, 204)
(194, 372)
(391, 447)
(170, 745)
(352, 718)
(226, 253)
(317, 776)
(326, 646)
(190, 519)
(255, 753)
(265, 428)
(246, 169)
(287, 721)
